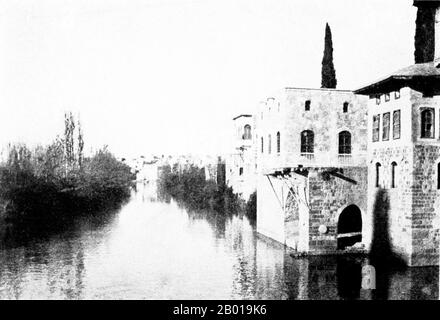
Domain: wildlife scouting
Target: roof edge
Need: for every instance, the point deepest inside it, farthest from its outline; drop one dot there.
(242, 115)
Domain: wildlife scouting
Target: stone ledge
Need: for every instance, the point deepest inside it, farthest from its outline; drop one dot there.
(357, 252)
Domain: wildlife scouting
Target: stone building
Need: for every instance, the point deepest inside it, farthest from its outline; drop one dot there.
(311, 159)
(355, 170)
(241, 164)
(404, 160)
(404, 155)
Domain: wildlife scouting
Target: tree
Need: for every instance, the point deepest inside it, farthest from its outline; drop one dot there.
(69, 140)
(328, 73)
(425, 32)
(80, 151)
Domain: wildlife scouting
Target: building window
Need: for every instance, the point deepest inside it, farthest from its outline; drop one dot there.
(345, 107)
(278, 142)
(307, 141)
(438, 176)
(344, 142)
(241, 171)
(396, 124)
(307, 105)
(262, 145)
(247, 135)
(387, 97)
(377, 174)
(427, 123)
(397, 94)
(393, 174)
(269, 144)
(378, 99)
(376, 121)
(386, 127)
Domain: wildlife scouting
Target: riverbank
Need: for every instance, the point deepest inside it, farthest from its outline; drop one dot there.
(25, 195)
(190, 187)
(57, 181)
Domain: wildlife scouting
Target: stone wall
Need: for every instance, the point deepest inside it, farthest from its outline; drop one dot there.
(425, 206)
(270, 213)
(411, 207)
(285, 113)
(390, 208)
(329, 196)
(326, 118)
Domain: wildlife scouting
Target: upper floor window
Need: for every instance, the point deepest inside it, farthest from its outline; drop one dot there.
(262, 145)
(344, 142)
(396, 124)
(345, 107)
(241, 172)
(397, 94)
(307, 105)
(386, 127)
(376, 120)
(387, 97)
(269, 144)
(247, 135)
(278, 142)
(307, 141)
(378, 99)
(427, 123)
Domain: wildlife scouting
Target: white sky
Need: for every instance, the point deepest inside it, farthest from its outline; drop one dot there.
(167, 76)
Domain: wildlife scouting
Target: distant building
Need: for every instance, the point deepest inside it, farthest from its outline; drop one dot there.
(241, 163)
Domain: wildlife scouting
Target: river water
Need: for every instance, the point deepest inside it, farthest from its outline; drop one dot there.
(150, 249)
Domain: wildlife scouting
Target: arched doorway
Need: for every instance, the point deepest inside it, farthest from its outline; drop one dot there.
(349, 227)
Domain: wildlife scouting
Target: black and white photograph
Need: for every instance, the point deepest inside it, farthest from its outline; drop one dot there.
(241, 151)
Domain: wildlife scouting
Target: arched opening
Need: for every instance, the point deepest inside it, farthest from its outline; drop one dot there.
(269, 150)
(247, 135)
(427, 125)
(278, 142)
(378, 174)
(307, 141)
(349, 227)
(344, 142)
(438, 176)
(393, 174)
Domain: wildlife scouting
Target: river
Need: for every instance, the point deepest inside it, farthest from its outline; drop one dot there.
(150, 249)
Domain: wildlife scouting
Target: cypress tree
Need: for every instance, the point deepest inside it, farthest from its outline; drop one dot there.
(328, 73)
(424, 39)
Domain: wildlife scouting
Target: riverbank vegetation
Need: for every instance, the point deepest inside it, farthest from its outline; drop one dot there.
(189, 186)
(57, 181)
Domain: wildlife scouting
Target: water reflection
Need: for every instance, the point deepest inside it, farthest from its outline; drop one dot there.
(152, 249)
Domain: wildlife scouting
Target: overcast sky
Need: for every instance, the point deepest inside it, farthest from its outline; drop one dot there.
(167, 76)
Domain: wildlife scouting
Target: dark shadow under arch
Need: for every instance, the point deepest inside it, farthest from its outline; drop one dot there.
(349, 227)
